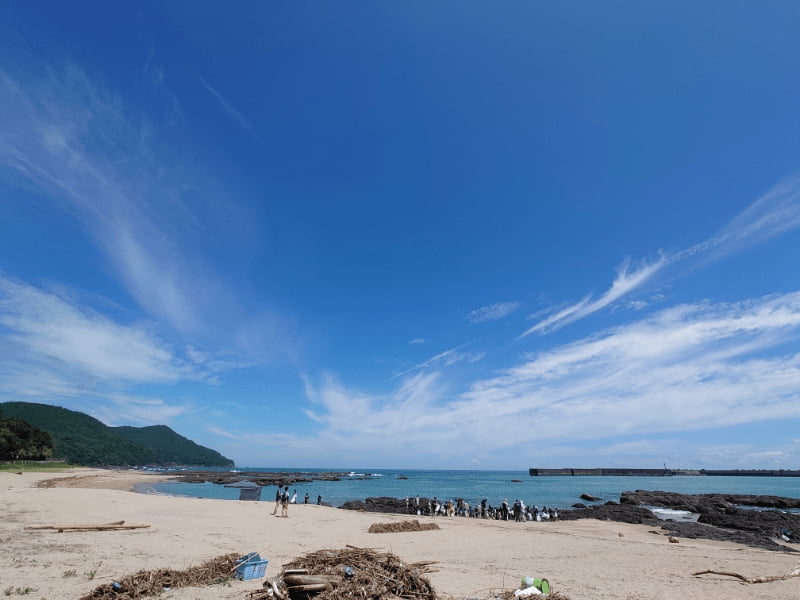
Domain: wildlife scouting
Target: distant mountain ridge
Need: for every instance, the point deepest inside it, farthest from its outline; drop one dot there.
(84, 440)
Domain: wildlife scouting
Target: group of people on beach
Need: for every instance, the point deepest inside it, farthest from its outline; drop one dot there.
(283, 500)
(519, 511)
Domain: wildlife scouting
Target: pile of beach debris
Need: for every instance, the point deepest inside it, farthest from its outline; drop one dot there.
(401, 526)
(153, 583)
(350, 573)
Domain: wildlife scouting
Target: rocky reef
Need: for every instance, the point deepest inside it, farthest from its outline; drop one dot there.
(382, 504)
(262, 478)
(720, 516)
(701, 503)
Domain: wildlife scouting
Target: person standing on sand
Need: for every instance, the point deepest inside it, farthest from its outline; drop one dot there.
(305, 500)
(285, 503)
(277, 501)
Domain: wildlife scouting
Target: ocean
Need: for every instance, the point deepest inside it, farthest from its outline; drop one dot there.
(495, 486)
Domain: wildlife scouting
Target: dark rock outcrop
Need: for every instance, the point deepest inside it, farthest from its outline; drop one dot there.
(721, 517)
(381, 504)
(709, 532)
(611, 512)
(260, 477)
(687, 501)
(590, 498)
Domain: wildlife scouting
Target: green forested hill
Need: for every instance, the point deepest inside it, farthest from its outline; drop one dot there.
(19, 440)
(171, 447)
(84, 440)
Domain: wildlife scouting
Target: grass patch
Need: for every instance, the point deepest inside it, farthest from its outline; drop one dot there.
(35, 467)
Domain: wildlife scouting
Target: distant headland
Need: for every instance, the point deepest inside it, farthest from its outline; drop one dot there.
(623, 472)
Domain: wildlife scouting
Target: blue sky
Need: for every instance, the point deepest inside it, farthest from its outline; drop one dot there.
(411, 235)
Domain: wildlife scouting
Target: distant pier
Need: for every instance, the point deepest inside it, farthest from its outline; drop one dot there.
(622, 472)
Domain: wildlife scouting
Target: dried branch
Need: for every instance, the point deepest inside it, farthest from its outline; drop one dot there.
(765, 579)
(116, 525)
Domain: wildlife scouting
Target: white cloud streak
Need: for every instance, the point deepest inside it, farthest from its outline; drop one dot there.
(51, 328)
(141, 201)
(79, 145)
(493, 312)
(775, 213)
(232, 112)
(446, 358)
(123, 409)
(57, 352)
(625, 282)
(687, 368)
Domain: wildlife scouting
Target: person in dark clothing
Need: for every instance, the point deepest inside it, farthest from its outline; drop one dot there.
(285, 502)
(277, 501)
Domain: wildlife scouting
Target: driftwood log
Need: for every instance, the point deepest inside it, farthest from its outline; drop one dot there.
(113, 526)
(766, 579)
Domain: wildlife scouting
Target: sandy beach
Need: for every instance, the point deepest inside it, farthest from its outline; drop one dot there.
(474, 558)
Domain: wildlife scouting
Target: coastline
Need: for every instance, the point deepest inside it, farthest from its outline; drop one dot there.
(587, 558)
(107, 479)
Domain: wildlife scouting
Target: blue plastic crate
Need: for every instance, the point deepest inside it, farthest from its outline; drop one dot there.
(251, 566)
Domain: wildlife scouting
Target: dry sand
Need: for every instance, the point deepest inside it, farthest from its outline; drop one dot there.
(584, 559)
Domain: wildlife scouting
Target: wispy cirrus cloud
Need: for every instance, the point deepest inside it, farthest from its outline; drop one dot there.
(56, 351)
(90, 156)
(493, 312)
(115, 409)
(232, 112)
(776, 212)
(773, 214)
(627, 280)
(446, 358)
(49, 327)
(155, 216)
(686, 368)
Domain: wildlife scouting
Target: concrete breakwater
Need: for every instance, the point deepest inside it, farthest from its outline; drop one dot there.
(624, 472)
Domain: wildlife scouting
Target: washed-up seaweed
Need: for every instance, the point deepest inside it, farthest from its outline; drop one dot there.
(150, 583)
(412, 525)
(359, 573)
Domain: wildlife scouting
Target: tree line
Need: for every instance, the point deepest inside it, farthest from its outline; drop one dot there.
(19, 440)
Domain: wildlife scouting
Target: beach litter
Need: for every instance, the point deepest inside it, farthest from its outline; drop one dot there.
(532, 586)
(251, 566)
(349, 574)
(551, 595)
(397, 527)
(151, 583)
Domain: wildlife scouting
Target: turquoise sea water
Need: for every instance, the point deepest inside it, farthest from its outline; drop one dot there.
(473, 486)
